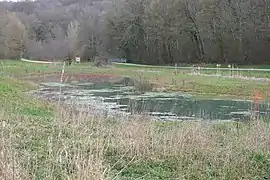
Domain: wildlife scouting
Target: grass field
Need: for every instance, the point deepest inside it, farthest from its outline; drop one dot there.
(40, 140)
(161, 78)
(224, 71)
(189, 65)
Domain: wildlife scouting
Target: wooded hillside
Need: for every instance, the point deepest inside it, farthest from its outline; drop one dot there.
(143, 31)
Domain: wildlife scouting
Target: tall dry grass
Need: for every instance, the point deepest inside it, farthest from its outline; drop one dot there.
(85, 146)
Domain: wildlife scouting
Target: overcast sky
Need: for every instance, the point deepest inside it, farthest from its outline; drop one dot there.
(11, 0)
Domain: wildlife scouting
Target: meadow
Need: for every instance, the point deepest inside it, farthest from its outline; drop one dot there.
(162, 79)
(41, 140)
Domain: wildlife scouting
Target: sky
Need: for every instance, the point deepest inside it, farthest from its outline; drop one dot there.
(12, 0)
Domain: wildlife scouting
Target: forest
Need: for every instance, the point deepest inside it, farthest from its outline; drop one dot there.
(142, 31)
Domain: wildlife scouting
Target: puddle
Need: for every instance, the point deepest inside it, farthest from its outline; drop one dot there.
(121, 98)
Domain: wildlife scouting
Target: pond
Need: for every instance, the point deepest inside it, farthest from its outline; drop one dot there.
(118, 97)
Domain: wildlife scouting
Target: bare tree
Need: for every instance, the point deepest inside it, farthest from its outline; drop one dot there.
(143, 31)
(72, 38)
(13, 35)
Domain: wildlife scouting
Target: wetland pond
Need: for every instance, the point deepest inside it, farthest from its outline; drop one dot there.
(118, 97)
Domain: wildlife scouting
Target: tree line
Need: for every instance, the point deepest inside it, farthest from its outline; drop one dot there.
(142, 31)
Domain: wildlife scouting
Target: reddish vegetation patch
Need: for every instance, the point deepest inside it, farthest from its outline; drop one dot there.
(92, 76)
(85, 76)
(81, 77)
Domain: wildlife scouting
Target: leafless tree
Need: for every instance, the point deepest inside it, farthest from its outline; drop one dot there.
(72, 38)
(143, 31)
(13, 35)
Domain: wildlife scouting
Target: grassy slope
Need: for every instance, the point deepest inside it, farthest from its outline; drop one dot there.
(189, 65)
(217, 86)
(163, 79)
(23, 123)
(39, 141)
(222, 71)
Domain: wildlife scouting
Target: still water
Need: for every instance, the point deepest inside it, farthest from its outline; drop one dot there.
(165, 106)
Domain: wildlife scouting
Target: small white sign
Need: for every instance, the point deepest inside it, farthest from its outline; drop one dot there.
(78, 59)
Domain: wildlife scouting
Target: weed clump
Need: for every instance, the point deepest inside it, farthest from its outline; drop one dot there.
(142, 85)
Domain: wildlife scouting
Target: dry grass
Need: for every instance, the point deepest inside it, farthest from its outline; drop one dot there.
(69, 145)
(80, 146)
(9, 166)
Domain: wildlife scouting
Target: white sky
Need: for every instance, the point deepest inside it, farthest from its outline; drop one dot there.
(12, 0)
